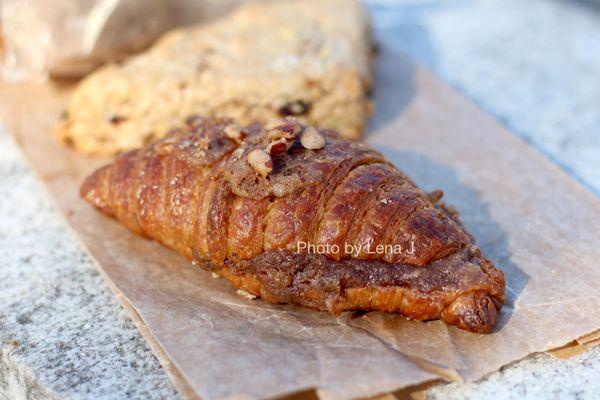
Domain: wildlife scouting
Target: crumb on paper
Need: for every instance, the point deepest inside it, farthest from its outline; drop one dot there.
(215, 275)
(12, 342)
(245, 294)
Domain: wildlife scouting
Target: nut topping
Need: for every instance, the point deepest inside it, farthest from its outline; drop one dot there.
(234, 131)
(279, 146)
(261, 161)
(311, 139)
(287, 128)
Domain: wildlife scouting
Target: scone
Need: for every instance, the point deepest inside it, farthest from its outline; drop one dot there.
(304, 58)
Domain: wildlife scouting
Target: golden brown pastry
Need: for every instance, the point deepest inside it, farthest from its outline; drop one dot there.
(299, 215)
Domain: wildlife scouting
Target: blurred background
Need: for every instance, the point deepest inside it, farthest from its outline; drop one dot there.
(534, 65)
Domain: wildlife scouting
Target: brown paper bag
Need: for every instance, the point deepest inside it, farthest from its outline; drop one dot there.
(529, 217)
(69, 38)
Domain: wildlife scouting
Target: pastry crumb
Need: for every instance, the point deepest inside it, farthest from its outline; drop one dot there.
(245, 294)
(234, 131)
(311, 139)
(261, 161)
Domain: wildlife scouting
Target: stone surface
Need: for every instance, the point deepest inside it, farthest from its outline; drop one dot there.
(534, 65)
(62, 330)
(540, 376)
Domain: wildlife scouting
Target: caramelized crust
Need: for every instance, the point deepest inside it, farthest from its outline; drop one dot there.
(196, 192)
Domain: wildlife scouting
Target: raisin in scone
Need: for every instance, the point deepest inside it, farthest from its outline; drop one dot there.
(305, 58)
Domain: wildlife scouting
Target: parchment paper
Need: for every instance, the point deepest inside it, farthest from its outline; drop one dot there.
(535, 222)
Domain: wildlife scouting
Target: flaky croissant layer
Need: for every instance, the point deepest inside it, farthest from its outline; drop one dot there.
(299, 215)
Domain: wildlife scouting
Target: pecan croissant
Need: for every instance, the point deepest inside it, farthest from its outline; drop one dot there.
(292, 218)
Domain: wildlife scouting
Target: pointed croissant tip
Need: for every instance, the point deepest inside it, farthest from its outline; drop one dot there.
(91, 189)
(473, 312)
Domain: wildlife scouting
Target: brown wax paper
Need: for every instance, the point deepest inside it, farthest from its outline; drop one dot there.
(529, 217)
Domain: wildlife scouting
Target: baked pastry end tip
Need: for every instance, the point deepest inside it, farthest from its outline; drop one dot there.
(474, 312)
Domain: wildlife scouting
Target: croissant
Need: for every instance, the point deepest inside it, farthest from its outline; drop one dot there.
(300, 215)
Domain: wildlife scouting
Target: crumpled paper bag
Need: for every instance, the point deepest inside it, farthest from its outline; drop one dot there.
(69, 38)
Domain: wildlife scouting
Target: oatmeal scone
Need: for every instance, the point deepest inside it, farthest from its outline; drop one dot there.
(305, 58)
